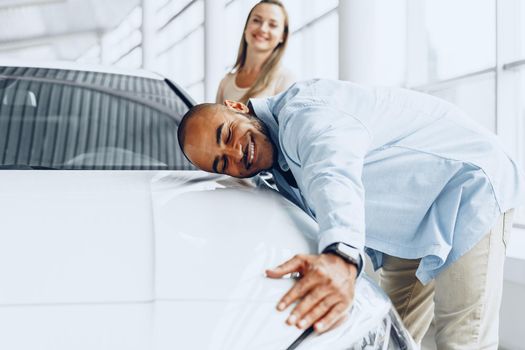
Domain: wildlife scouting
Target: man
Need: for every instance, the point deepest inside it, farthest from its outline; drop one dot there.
(438, 192)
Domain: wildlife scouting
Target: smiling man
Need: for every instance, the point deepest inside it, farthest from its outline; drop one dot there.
(437, 189)
(220, 129)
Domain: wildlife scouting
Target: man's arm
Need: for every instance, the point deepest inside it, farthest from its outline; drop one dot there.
(329, 147)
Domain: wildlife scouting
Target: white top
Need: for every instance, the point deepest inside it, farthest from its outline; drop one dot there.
(228, 89)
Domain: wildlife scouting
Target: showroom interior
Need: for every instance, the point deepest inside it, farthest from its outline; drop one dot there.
(468, 52)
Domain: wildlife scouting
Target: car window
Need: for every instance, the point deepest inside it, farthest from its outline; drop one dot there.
(62, 119)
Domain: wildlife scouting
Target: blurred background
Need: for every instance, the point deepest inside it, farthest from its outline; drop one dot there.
(470, 52)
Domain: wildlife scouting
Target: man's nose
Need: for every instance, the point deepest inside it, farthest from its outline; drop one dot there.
(234, 152)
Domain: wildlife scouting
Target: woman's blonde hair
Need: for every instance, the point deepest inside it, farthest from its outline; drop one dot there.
(271, 65)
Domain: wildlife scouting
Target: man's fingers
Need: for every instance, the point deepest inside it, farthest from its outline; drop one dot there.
(295, 264)
(310, 301)
(331, 318)
(326, 290)
(299, 290)
(317, 310)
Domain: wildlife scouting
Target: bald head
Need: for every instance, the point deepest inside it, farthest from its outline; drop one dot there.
(201, 110)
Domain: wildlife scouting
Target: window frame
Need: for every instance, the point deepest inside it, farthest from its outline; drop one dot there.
(508, 123)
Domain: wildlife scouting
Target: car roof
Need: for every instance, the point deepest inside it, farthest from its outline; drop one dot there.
(77, 66)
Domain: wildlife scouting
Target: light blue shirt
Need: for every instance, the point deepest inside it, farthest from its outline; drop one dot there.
(429, 179)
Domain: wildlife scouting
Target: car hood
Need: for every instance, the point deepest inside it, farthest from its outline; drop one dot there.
(136, 236)
(153, 260)
(185, 250)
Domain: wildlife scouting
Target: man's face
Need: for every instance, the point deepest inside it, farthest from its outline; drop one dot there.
(226, 140)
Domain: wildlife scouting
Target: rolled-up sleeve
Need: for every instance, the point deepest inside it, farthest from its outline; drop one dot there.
(329, 147)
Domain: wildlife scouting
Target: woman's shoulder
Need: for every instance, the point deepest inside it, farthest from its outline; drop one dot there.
(229, 77)
(228, 89)
(284, 78)
(225, 86)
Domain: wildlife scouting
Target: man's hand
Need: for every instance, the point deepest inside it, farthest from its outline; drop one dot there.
(324, 293)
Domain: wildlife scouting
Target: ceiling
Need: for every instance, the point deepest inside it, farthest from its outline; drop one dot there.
(57, 29)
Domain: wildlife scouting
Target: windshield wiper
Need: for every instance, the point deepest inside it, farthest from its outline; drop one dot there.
(24, 167)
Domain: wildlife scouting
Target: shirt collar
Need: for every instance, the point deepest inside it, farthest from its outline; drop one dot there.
(262, 109)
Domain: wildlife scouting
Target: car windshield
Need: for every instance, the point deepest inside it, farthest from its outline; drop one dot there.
(64, 119)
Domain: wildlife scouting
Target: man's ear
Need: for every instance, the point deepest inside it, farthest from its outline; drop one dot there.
(238, 106)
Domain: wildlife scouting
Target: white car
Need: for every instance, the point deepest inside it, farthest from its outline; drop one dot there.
(111, 240)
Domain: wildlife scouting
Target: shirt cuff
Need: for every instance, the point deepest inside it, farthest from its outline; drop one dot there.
(336, 235)
(342, 236)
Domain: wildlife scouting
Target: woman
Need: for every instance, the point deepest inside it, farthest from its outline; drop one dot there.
(257, 71)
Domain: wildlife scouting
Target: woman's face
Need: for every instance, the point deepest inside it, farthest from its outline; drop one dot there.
(265, 28)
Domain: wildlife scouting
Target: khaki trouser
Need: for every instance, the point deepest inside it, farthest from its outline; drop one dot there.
(464, 299)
